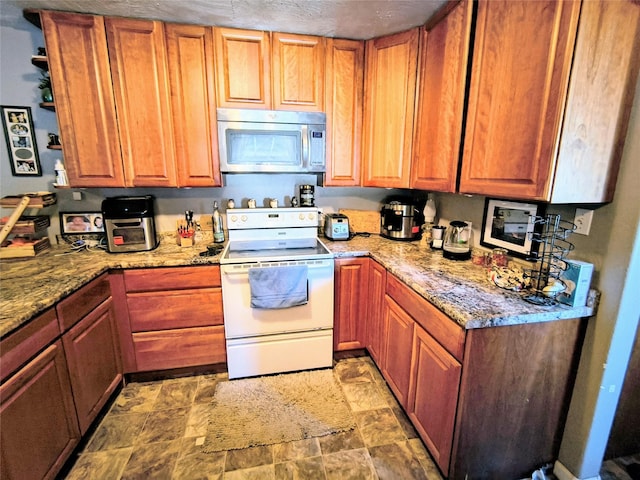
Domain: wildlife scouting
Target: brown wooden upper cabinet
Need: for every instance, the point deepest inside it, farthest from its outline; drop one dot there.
(273, 71)
(86, 112)
(138, 59)
(550, 98)
(444, 54)
(390, 85)
(193, 101)
(344, 91)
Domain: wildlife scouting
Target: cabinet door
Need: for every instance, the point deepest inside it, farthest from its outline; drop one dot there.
(351, 298)
(440, 104)
(93, 358)
(193, 102)
(343, 106)
(433, 395)
(298, 72)
(86, 112)
(375, 315)
(39, 425)
(243, 66)
(139, 70)
(398, 340)
(521, 61)
(390, 85)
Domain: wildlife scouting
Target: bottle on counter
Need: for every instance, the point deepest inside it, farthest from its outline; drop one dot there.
(61, 173)
(218, 230)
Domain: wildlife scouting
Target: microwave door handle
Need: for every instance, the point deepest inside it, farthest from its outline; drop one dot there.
(305, 145)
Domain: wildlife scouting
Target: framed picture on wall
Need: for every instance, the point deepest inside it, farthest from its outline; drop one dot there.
(21, 141)
(511, 225)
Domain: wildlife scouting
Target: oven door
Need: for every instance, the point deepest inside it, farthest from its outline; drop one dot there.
(242, 321)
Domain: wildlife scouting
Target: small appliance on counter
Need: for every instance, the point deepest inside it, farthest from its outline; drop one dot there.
(457, 241)
(129, 223)
(336, 226)
(401, 220)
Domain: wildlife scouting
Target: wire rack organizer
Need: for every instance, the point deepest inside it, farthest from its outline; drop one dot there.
(553, 246)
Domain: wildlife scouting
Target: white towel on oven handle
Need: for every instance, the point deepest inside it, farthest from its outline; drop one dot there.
(279, 287)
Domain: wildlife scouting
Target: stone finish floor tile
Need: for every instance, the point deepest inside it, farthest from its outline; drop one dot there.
(158, 430)
(249, 457)
(396, 461)
(107, 465)
(311, 468)
(152, 460)
(349, 465)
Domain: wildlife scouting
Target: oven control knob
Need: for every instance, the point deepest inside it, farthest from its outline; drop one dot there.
(312, 216)
(234, 218)
(301, 216)
(243, 218)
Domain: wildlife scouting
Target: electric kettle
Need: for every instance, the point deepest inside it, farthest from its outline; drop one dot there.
(457, 241)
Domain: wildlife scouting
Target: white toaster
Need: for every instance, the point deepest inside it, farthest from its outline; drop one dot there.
(336, 226)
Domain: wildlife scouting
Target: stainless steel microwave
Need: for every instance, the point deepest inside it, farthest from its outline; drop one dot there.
(269, 141)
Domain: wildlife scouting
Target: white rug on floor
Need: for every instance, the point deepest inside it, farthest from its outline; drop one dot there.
(276, 409)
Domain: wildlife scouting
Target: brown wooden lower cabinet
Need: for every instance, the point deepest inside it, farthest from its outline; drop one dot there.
(170, 317)
(398, 341)
(351, 277)
(488, 403)
(374, 327)
(39, 424)
(433, 395)
(185, 347)
(93, 358)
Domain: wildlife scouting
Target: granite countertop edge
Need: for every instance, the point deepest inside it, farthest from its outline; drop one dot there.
(459, 289)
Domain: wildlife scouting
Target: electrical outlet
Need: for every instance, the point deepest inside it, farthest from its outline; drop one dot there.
(583, 220)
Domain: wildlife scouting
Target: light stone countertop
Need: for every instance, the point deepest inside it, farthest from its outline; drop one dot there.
(459, 289)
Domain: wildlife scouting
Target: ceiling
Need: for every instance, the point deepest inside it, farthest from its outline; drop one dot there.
(356, 19)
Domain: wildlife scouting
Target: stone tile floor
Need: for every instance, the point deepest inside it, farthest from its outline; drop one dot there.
(154, 430)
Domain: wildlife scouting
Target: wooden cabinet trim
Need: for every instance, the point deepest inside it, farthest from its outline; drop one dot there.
(175, 309)
(172, 278)
(83, 301)
(448, 333)
(178, 348)
(18, 347)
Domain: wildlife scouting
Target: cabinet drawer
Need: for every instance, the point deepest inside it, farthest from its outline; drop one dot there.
(450, 335)
(24, 343)
(177, 309)
(85, 300)
(170, 278)
(185, 347)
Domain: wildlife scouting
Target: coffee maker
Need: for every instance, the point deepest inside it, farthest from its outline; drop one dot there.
(457, 241)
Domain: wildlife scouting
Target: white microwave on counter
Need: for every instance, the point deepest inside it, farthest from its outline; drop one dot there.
(270, 141)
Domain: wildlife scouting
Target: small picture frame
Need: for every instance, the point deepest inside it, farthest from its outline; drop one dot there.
(21, 141)
(81, 223)
(511, 225)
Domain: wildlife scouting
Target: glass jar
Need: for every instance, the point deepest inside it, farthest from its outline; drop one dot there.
(480, 257)
(499, 258)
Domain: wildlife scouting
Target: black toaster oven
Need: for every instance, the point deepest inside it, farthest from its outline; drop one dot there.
(129, 223)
